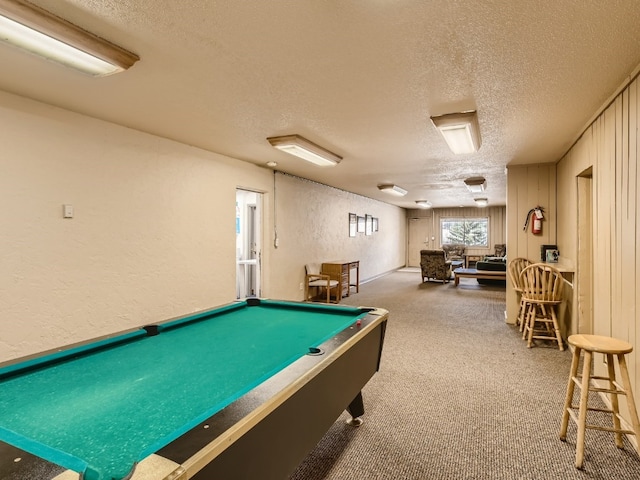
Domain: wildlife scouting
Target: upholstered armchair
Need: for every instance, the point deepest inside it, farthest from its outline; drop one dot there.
(434, 265)
(454, 251)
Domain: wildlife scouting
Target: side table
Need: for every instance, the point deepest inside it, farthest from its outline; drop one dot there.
(341, 271)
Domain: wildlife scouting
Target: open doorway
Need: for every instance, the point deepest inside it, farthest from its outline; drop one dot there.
(585, 253)
(248, 243)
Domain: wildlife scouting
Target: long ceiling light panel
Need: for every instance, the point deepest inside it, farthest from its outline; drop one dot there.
(476, 184)
(38, 31)
(461, 131)
(303, 148)
(392, 189)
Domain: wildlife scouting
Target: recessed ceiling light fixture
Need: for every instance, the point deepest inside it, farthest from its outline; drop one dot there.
(461, 131)
(481, 202)
(476, 184)
(423, 203)
(38, 31)
(303, 148)
(392, 189)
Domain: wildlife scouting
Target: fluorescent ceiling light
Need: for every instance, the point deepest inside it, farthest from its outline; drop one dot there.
(303, 148)
(393, 189)
(423, 203)
(476, 184)
(460, 130)
(35, 30)
(481, 202)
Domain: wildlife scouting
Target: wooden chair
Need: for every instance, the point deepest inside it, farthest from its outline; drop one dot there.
(316, 280)
(514, 269)
(542, 287)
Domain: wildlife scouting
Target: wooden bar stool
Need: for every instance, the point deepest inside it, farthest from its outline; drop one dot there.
(612, 348)
(542, 287)
(514, 269)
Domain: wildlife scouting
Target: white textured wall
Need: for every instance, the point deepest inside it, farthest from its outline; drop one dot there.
(312, 223)
(153, 234)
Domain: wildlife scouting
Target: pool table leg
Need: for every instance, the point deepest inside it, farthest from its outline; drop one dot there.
(356, 410)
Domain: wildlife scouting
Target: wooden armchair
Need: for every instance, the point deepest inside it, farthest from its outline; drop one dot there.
(542, 287)
(316, 280)
(514, 269)
(434, 265)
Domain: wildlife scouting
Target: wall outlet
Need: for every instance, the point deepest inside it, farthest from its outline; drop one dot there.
(301, 286)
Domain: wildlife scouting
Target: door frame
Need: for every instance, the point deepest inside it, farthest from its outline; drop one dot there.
(584, 271)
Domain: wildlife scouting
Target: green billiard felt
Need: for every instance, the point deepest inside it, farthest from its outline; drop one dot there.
(101, 411)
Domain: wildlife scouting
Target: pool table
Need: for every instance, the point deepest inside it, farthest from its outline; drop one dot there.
(240, 391)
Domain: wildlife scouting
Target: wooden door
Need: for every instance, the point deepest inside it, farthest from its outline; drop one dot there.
(420, 234)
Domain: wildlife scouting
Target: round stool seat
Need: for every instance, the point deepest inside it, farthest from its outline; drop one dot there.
(600, 344)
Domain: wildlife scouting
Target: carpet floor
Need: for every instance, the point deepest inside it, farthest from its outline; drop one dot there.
(460, 396)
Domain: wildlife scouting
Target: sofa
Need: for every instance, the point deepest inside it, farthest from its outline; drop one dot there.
(493, 264)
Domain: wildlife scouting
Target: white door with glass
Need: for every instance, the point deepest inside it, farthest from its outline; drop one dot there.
(248, 243)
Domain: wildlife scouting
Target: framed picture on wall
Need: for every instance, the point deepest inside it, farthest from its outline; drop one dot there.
(375, 224)
(353, 224)
(552, 255)
(368, 224)
(360, 224)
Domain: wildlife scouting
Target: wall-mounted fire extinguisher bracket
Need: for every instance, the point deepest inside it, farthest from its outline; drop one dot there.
(536, 215)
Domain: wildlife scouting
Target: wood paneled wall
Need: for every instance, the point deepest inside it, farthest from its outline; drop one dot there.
(528, 186)
(497, 222)
(610, 146)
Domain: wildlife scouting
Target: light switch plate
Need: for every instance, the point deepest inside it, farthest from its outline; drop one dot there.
(67, 211)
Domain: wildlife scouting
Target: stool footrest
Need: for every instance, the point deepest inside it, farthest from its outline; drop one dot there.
(544, 337)
(607, 390)
(574, 417)
(593, 409)
(618, 390)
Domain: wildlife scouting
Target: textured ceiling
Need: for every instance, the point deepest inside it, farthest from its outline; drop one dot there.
(360, 78)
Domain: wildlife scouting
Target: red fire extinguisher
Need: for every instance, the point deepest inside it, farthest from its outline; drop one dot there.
(537, 215)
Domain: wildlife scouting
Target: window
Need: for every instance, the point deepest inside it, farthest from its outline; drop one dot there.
(472, 232)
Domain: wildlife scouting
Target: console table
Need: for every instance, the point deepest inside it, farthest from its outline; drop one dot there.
(341, 271)
(470, 259)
